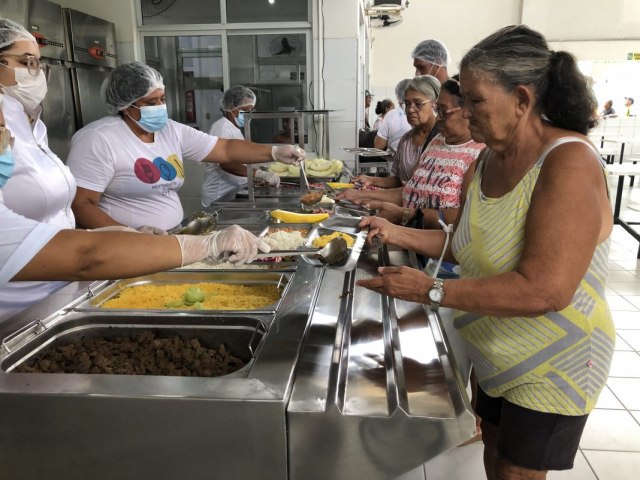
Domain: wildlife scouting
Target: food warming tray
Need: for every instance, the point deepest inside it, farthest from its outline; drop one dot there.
(280, 279)
(241, 335)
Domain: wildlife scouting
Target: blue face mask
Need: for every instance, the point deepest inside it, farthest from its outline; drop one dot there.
(6, 166)
(240, 119)
(152, 117)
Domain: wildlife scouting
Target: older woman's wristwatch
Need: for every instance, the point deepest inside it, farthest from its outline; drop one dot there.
(436, 294)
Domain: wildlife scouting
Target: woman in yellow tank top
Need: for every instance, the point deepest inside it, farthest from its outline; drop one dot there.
(532, 241)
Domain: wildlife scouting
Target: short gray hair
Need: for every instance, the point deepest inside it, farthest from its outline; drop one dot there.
(400, 87)
(427, 85)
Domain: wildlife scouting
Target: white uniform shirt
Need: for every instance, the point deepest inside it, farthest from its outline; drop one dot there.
(393, 126)
(40, 189)
(20, 240)
(217, 182)
(138, 181)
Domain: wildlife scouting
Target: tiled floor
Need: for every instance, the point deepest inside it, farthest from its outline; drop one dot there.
(610, 446)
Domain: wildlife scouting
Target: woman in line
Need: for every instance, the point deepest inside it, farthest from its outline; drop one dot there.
(222, 179)
(418, 101)
(532, 241)
(128, 166)
(446, 167)
(32, 250)
(382, 108)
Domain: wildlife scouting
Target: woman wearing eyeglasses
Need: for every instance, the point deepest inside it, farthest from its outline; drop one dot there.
(41, 187)
(418, 101)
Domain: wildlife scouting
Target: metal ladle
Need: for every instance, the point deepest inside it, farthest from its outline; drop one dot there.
(333, 252)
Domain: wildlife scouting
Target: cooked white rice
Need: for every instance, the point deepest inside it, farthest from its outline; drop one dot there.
(282, 240)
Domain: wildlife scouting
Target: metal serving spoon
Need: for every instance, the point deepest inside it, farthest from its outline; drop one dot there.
(333, 252)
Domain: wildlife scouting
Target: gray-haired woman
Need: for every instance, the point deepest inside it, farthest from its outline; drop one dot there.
(532, 242)
(419, 100)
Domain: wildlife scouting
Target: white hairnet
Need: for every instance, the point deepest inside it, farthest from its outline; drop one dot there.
(400, 87)
(11, 32)
(236, 97)
(128, 83)
(431, 51)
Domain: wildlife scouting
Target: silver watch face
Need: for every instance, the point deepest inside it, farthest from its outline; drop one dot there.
(436, 294)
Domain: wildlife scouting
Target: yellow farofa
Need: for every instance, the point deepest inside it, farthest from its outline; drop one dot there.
(322, 240)
(219, 296)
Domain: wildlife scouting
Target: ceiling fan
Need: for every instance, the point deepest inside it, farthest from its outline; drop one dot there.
(385, 20)
(151, 8)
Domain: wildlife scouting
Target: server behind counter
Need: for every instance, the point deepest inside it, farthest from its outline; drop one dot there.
(129, 165)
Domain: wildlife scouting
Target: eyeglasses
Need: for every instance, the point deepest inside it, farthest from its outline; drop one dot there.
(31, 63)
(444, 114)
(417, 105)
(6, 140)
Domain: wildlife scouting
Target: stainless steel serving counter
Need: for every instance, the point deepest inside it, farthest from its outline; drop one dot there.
(344, 384)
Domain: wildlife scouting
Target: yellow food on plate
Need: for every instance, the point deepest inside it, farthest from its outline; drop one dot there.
(195, 296)
(339, 185)
(322, 240)
(292, 217)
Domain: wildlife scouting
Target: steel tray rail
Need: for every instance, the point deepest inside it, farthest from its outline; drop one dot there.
(377, 392)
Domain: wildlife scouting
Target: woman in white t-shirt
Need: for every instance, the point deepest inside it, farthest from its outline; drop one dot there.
(221, 179)
(128, 166)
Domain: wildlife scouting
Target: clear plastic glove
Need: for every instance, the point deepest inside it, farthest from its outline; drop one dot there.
(233, 244)
(151, 230)
(271, 178)
(289, 154)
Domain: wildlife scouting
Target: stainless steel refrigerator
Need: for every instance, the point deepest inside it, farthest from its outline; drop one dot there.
(91, 55)
(44, 19)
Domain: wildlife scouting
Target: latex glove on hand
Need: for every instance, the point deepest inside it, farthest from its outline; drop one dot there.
(289, 154)
(151, 230)
(271, 178)
(234, 244)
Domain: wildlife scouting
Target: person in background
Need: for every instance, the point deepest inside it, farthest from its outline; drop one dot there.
(608, 110)
(628, 102)
(221, 179)
(128, 166)
(368, 97)
(382, 108)
(431, 57)
(532, 242)
(395, 123)
(419, 101)
(32, 250)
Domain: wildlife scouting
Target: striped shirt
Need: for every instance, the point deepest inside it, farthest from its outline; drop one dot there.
(437, 182)
(557, 362)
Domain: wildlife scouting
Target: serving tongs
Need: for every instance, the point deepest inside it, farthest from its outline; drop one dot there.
(303, 175)
(332, 253)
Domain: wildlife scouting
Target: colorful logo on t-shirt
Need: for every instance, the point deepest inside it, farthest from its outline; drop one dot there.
(153, 171)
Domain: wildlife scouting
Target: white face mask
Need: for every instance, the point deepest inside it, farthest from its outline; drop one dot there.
(28, 90)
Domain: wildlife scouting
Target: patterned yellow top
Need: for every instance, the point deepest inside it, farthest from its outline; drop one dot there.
(557, 362)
